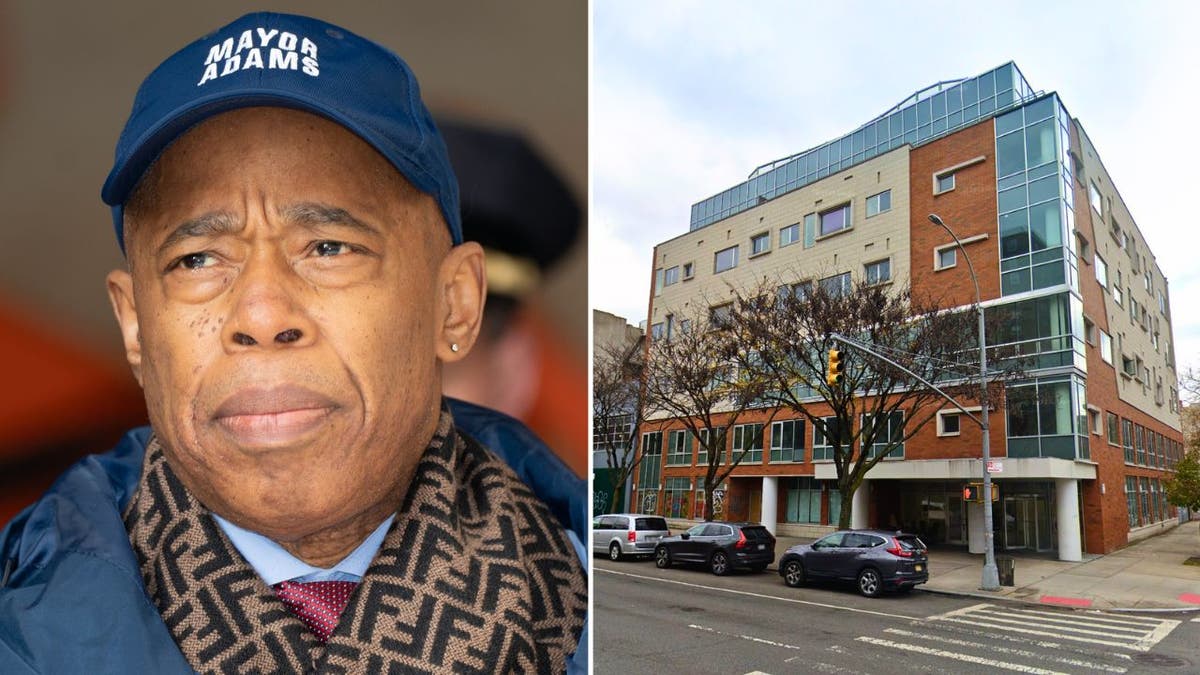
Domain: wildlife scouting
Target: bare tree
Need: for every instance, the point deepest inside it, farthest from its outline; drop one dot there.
(787, 332)
(617, 407)
(693, 376)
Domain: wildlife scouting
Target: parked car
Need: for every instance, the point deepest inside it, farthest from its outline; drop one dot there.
(721, 546)
(627, 534)
(876, 560)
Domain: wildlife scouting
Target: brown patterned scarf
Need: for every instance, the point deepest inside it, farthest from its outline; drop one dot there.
(475, 576)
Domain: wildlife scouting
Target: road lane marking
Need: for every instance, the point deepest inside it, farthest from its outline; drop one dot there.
(1155, 636)
(1007, 650)
(750, 638)
(1061, 624)
(969, 658)
(763, 595)
(1094, 615)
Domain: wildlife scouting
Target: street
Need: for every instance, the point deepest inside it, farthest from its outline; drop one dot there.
(684, 619)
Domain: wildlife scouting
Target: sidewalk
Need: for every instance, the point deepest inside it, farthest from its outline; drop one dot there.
(1149, 574)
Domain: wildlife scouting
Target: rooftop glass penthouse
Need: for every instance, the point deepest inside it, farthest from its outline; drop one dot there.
(929, 113)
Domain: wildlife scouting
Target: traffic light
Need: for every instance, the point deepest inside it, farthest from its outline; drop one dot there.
(833, 374)
(973, 492)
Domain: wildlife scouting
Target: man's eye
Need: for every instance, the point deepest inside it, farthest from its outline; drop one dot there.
(195, 261)
(331, 248)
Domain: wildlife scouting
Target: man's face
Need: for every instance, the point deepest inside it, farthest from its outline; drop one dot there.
(288, 301)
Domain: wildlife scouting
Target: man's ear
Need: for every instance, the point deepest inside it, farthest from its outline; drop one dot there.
(462, 284)
(120, 293)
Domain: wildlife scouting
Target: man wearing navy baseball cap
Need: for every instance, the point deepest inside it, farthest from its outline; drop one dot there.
(304, 499)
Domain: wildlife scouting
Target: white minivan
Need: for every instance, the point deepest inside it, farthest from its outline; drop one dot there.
(627, 534)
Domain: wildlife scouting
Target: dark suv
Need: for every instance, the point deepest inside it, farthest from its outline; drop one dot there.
(876, 560)
(721, 546)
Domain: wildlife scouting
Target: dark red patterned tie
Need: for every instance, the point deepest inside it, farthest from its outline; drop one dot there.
(318, 604)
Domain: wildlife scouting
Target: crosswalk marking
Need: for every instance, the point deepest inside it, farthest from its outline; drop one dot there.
(1127, 632)
(992, 647)
(969, 658)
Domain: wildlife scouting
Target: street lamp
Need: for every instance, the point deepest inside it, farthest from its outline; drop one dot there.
(991, 576)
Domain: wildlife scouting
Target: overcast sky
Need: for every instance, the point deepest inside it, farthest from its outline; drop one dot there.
(688, 98)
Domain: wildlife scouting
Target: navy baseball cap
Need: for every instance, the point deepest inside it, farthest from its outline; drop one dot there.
(283, 60)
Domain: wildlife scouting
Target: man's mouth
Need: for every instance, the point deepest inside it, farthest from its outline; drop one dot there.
(273, 416)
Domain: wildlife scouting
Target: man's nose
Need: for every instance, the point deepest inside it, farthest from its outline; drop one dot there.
(268, 309)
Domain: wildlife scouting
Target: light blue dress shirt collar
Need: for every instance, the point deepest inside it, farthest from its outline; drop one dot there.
(274, 564)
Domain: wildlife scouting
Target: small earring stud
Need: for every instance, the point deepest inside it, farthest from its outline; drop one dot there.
(454, 347)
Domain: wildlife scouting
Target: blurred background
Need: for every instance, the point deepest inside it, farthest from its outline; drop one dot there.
(68, 73)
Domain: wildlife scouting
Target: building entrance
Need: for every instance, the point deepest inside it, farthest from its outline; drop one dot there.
(1027, 523)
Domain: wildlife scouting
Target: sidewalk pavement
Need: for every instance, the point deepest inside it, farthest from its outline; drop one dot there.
(1149, 574)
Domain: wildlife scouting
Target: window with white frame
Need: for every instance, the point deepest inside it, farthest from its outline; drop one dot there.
(889, 433)
(789, 235)
(719, 316)
(878, 203)
(949, 423)
(945, 257)
(748, 437)
(1106, 347)
(679, 451)
(879, 271)
(824, 438)
(1101, 271)
(787, 441)
(760, 243)
(835, 219)
(658, 282)
(1114, 429)
(1094, 198)
(1089, 331)
(657, 331)
(838, 284)
(689, 270)
(725, 259)
(944, 183)
(671, 276)
(1097, 424)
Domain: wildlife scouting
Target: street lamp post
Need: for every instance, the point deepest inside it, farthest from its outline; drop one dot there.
(991, 576)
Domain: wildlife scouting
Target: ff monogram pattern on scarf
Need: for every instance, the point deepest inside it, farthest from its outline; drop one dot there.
(475, 576)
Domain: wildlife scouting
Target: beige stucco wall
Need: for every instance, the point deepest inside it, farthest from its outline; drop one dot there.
(884, 235)
(1129, 338)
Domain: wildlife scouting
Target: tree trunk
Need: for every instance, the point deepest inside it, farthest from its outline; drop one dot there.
(847, 504)
(614, 502)
(708, 503)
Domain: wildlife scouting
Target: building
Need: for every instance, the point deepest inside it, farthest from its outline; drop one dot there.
(611, 331)
(1084, 443)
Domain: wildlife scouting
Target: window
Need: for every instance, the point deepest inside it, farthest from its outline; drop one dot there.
(1089, 331)
(823, 441)
(890, 432)
(949, 423)
(787, 441)
(944, 183)
(789, 235)
(1131, 500)
(677, 491)
(718, 317)
(1094, 198)
(1101, 271)
(1128, 366)
(838, 284)
(689, 271)
(1118, 295)
(1127, 440)
(803, 500)
(946, 257)
(748, 437)
(649, 472)
(760, 243)
(671, 276)
(879, 203)
(658, 282)
(835, 220)
(702, 448)
(1094, 420)
(800, 291)
(1114, 432)
(679, 451)
(657, 331)
(670, 332)
(879, 271)
(725, 259)
(685, 325)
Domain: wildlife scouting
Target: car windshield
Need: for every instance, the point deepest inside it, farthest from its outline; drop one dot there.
(650, 524)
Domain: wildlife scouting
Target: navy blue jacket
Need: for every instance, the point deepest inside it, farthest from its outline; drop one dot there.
(72, 598)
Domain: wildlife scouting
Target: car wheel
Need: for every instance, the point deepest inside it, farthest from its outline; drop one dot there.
(793, 573)
(614, 551)
(869, 583)
(719, 563)
(662, 557)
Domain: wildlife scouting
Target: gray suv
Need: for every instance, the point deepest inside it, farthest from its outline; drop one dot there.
(876, 560)
(627, 534)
